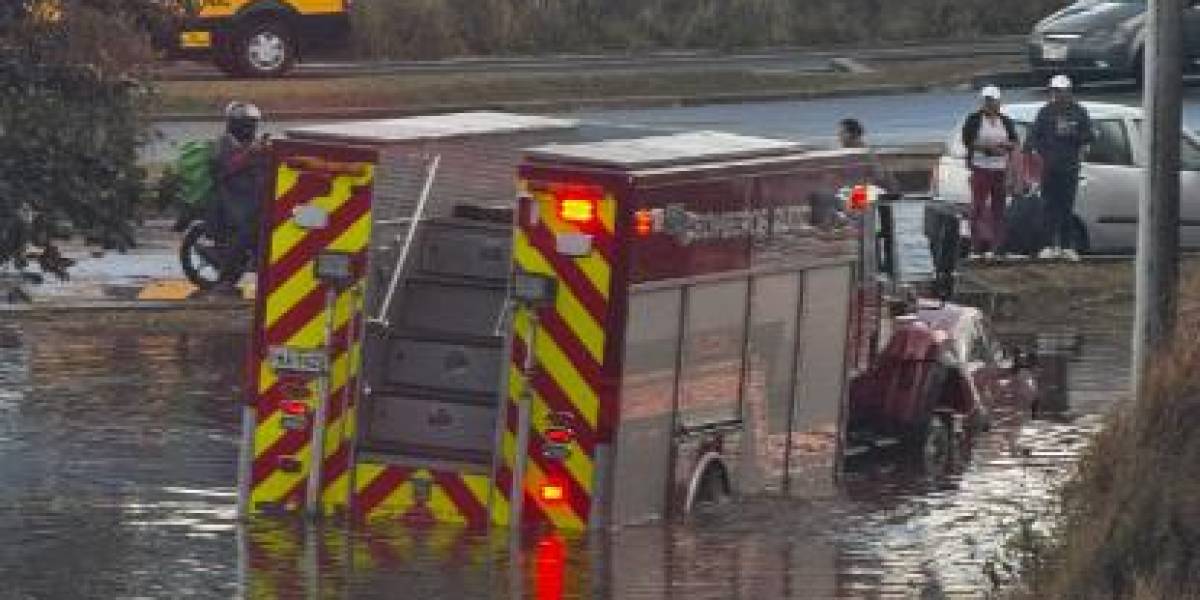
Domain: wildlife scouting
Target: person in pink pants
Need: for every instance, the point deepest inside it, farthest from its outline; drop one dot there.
(989, 137)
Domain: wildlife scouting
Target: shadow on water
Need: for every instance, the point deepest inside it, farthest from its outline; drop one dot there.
(117, 453)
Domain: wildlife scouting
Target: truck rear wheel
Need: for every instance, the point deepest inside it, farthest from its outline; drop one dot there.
(264, 49)
(713, 489)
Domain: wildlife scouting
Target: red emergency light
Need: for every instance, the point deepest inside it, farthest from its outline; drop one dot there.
(860, 197)
(578, 204)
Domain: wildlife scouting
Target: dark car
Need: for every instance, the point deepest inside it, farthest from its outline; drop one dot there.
(1094, 39)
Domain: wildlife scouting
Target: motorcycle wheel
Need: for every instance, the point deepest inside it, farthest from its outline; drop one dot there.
(199, 256)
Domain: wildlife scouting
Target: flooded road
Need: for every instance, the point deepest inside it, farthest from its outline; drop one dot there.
(117, 467)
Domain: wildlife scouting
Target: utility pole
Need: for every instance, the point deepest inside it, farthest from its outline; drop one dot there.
(1158, 211)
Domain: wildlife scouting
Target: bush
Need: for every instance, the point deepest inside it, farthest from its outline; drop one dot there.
(72, 109)
(428, 28)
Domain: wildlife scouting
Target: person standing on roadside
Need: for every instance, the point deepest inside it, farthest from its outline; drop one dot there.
(1060, 136)
(852, 134)
(989, 138)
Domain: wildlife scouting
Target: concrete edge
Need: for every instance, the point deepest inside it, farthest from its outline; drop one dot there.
(568, 105)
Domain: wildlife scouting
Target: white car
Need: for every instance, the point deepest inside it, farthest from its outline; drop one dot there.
(1106, 206)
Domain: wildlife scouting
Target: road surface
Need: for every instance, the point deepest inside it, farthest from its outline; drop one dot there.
(894, 119)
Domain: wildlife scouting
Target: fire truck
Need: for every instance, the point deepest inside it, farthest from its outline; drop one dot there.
(494, 319)
(257, 38)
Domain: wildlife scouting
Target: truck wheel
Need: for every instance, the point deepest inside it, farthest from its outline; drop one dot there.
(713, 489)
(264, 49)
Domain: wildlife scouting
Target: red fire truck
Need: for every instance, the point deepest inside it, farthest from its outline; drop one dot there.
(657, 320)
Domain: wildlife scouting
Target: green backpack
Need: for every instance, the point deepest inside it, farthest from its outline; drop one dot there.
(194, 167)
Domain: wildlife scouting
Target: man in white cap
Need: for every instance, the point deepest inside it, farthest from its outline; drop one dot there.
(989, 138)
(1060, 136)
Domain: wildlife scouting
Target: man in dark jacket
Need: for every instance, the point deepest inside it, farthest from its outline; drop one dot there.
(241, 167)
(1060, 136)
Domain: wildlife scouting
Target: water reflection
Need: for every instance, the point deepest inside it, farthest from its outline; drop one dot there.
(118, 461)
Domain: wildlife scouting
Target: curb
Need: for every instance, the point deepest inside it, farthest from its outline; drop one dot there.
(113, 306)
(567, 105)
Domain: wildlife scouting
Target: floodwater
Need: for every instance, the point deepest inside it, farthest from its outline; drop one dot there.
(117, 465)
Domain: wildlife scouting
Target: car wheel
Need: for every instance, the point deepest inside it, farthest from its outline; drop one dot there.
(265, 49)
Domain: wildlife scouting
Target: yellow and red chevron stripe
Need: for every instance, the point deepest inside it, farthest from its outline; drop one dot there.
(569, 349)
(422, 496)
(291, 313)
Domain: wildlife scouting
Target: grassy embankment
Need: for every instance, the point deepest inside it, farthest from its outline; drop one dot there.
(407, 94)
(438, 28)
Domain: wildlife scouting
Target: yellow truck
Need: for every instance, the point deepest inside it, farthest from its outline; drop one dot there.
(258, 38)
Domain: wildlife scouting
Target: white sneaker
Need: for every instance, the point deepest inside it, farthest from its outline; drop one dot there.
(1048, 253)
(1069, 254)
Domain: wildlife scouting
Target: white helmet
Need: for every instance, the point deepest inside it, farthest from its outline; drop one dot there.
(1060, 82)
(990, 92)
(242, 110)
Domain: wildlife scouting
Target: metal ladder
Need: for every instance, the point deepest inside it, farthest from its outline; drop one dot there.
(410, 235)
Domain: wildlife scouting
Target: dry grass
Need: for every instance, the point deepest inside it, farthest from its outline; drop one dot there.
(414, 92)
(433, 28)
(1132, 514)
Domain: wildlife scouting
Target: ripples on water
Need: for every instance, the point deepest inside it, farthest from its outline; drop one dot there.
(117, 454)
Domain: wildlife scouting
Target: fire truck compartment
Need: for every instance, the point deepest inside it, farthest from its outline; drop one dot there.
(434, 364)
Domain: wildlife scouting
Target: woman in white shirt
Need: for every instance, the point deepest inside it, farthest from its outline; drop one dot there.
(989, 138)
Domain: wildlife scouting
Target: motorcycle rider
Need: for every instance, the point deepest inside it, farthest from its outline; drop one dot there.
(241, 165)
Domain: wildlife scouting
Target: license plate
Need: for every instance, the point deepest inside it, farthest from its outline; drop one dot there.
(300, 360)
(195, 39)
(1054, 52)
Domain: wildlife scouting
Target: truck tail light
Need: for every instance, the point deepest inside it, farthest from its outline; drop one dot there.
(558, 436)
(643, 223)
(294, 407)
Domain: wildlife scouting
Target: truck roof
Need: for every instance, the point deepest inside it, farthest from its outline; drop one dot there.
(664, 150)
(429, 127)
